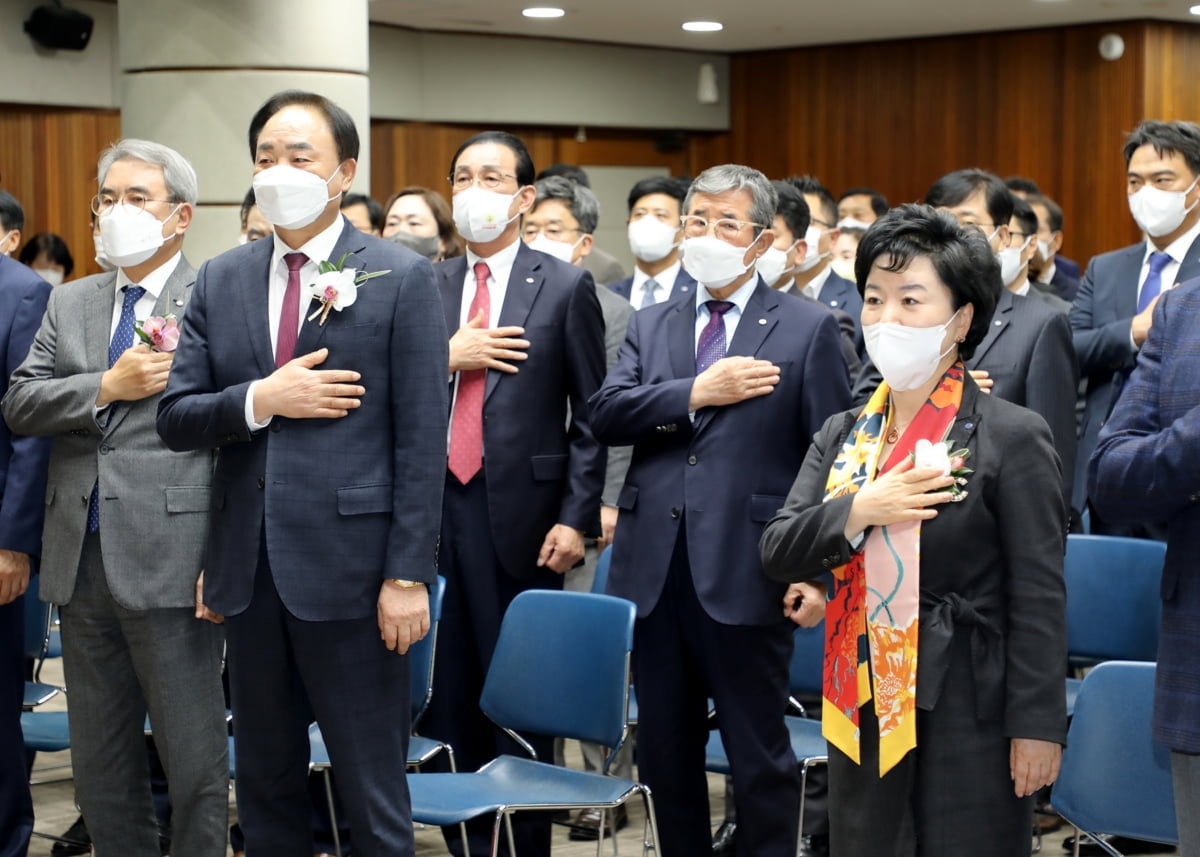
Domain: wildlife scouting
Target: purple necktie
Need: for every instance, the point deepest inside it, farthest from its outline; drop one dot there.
(1152, 288)
(711, 346)
(289, 313)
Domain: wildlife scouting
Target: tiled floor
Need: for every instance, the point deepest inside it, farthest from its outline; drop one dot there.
(54, 806)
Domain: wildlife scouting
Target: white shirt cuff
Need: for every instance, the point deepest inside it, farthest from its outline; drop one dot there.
(249, 411)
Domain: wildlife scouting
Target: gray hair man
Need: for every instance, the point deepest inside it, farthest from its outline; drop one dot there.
(127, 519)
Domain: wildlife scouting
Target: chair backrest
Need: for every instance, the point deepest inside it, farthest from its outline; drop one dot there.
(600, 581)
(421, 655)
(1113, 602)
(1115, 778)
(561, 666)
(37, 622)
(808, 661)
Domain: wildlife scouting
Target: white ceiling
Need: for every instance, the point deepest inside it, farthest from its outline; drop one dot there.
(763, 24)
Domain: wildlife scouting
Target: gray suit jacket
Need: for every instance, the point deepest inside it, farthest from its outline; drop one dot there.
(617, 312)
(604, 267)
(154, 503)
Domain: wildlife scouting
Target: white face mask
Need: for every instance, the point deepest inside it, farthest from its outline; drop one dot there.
(292, 198)
(101, 257)
(712, 262)
(851, 223)
(813, 257)
(1159, 212)
(1044, 251)
(557, 249)
(650, 239)
(772, 265)
(131, 235)
(481, 215)
(51, 276)
(1010, 262)
(906, 356)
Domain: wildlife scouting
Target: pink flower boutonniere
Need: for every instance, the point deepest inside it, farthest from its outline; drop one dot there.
(161, 334)
(336, 287)
(951, 463)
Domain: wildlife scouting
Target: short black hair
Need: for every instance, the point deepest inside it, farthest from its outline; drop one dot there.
(1020, 184)
(525, 171)
(248, 202)
(341, 123)
(53, 247)
(792, 208)
(570, 172)
(811, 185)
(1054, 214)
(1024, 214)
(879, 203)
(953, 188)
(960, 255)
(12, 216)
(667, 185)
(374, 209)
(1167, 138)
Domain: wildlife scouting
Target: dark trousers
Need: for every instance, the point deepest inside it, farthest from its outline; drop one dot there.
(478, 591)
(282, 672)
(16, 807)
(682, 658)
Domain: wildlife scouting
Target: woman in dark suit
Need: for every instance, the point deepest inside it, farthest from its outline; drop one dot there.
(928, 562)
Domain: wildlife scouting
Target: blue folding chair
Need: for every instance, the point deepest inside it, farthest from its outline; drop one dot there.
(599, 585)
(1115, 779)
(420, 749)
(1113, 602)
(37, 644)
(534, 685)
(808, 744)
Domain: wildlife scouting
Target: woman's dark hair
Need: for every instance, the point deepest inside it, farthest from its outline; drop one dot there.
(53, 247)
(961, 256)
(442, 214)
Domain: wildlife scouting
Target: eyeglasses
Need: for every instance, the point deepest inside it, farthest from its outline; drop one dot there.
(725, 228)
(554, 232)
(488, 179)
(817, 222)
(102, 203)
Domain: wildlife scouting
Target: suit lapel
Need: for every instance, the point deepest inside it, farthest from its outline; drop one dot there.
(1125, 296)
(681, 337)
(1190, 266)
(252, 304)
(967, 421)
(1000, 321)
(453, 274)
(97, 325)
(685, 284)
(312, 333)
(524, 283)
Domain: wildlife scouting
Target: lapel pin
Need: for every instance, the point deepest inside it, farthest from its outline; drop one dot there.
(762, 321)
(999, 322)
(178, 302)
(529, 279)
(833, 303)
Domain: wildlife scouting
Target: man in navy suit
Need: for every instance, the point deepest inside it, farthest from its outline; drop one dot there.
(720, 396)
(1048, 270)
(1144, 470)
(1112, 314)
(23, 296)
(814, 274)
(524, 474)
(331, 424)
(655, 204)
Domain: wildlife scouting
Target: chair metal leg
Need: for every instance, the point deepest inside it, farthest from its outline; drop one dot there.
(512, 845)
(333, 825)
(651, 821)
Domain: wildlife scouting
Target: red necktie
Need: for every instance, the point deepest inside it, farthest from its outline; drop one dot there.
(289, 313)
(466, 424)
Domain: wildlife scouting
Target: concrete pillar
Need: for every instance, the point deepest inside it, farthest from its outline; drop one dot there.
(194, 73)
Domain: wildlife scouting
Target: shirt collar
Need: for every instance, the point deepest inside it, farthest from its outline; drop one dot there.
(1178, 248)
(739, 298)
(153, 282)
(318, 249)
(499, 263)
(816, 283)
(665, 277)
(1022, 289)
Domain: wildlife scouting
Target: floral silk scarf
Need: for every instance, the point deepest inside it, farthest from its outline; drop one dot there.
(871, 617)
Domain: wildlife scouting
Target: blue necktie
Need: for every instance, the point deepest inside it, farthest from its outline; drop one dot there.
(1152, 288)
(122, 339)
(711, 346)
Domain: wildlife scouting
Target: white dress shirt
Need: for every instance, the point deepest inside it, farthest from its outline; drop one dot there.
(814, 286)
(1177, 249)
(666, 284)
(153, 283)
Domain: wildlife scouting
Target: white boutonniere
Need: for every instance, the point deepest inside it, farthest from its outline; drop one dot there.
(950, 463)
(336, 287)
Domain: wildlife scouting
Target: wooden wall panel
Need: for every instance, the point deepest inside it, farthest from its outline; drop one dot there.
(1172, 55)
(896, 115)
(48, 162)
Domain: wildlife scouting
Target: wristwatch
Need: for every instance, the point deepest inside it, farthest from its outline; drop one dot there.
(406, 584)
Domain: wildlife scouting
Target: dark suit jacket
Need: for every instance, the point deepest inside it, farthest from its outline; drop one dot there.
(728, 472)
(1027, 352)
(840, 293)
(848, 327)
(1100, 322)
(344, 503)
(997, 555)
(1065, 284)
(542, 464)
(1145, 469)
(1068, 267)
(684, 286)
(23, 460)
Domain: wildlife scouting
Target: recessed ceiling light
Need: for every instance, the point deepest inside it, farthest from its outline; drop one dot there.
(543, 12)
(703, 26)
(1195, 10)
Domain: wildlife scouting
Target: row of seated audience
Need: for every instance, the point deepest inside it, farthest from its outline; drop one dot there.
(1058, 344)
